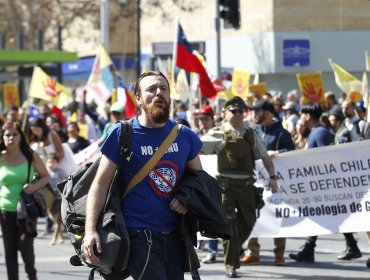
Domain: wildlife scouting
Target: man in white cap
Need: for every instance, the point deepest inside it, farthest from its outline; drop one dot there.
(291, 116)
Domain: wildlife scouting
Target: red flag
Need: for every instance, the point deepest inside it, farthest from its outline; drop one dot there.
(56, 111)
(185, 59)
(130, 110)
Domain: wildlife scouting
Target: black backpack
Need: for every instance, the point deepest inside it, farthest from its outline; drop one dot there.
(111, 226)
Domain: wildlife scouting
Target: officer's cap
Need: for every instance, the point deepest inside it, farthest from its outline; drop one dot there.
(235, 103)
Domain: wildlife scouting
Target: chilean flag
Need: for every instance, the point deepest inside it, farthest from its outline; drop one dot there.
(186, 60)
(124, 97)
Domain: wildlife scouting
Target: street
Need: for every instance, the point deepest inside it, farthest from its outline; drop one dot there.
(52, 262)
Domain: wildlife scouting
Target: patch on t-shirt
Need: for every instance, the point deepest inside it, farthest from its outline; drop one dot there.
(163, 177)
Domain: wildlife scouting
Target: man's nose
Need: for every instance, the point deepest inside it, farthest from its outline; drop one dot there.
(158, 91)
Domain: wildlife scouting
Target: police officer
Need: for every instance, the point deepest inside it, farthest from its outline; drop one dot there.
(237, 146)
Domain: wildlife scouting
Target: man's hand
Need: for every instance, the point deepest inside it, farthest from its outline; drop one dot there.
(272, 153)
(91, 241)
(273, 186)
(178, 207)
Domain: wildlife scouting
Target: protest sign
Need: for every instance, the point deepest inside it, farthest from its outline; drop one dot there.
(240, 85)
(10, 95)
(258, 89)
(322, 190)
(312, 88)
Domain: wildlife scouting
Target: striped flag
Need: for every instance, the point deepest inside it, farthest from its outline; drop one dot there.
(101, 80)
(187, 59)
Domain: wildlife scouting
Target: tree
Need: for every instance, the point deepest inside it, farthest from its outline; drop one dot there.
(78, 19)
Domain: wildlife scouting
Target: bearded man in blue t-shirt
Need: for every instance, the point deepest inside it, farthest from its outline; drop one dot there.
(150, 211)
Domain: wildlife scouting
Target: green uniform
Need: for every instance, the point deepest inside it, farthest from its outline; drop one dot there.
(236, 151)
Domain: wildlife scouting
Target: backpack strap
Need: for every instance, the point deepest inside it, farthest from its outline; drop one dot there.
(29, 169)
(125, 139)
(154, 159)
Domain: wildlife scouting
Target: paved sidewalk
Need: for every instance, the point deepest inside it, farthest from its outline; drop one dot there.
(53, 262)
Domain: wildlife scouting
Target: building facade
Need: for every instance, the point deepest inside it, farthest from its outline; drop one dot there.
(278, 38)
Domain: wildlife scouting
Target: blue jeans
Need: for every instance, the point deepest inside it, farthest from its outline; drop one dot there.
(212, 246)
(156, 255)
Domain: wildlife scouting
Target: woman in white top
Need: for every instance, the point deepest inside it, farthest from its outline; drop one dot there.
(45, 141)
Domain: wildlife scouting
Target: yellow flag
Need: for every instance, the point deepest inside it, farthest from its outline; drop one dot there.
(114, 96)
(312, 87)
(347, 82)
(240, 86)
(10, 95)
(105, 60)
(46, 88)
(367, 61)
(258, 89)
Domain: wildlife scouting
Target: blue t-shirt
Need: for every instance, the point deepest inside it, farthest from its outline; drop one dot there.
(319, 137)
(147, 204)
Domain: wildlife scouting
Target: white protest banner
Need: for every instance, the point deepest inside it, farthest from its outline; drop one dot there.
(88, 154)
(209, 164)
(322, 190)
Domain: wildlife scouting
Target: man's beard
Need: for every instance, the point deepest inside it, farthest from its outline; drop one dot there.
(260, 119)
(157, 114)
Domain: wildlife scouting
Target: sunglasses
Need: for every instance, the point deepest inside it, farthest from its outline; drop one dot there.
(239, 111)
(8, 135)
(116, 113)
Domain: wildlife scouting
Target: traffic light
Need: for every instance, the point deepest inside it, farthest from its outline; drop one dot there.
(229, 12)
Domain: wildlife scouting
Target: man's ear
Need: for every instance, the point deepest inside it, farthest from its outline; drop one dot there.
(138, 98)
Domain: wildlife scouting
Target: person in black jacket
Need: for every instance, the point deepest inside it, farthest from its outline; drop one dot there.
(277, 140)
(76, 142)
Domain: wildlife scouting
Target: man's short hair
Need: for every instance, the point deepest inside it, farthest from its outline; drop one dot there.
(314, 110)
(137, 89)
(330, 95)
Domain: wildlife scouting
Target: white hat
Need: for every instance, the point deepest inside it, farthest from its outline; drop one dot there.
(116, 107)
(290, 106)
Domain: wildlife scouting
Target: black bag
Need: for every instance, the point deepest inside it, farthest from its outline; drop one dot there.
(111, 226)
(35, 202)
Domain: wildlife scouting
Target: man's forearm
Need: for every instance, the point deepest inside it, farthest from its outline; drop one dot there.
(94, 206)
(267, 163)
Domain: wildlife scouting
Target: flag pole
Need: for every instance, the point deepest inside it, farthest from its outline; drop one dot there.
(174, 58)
(25, 113)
